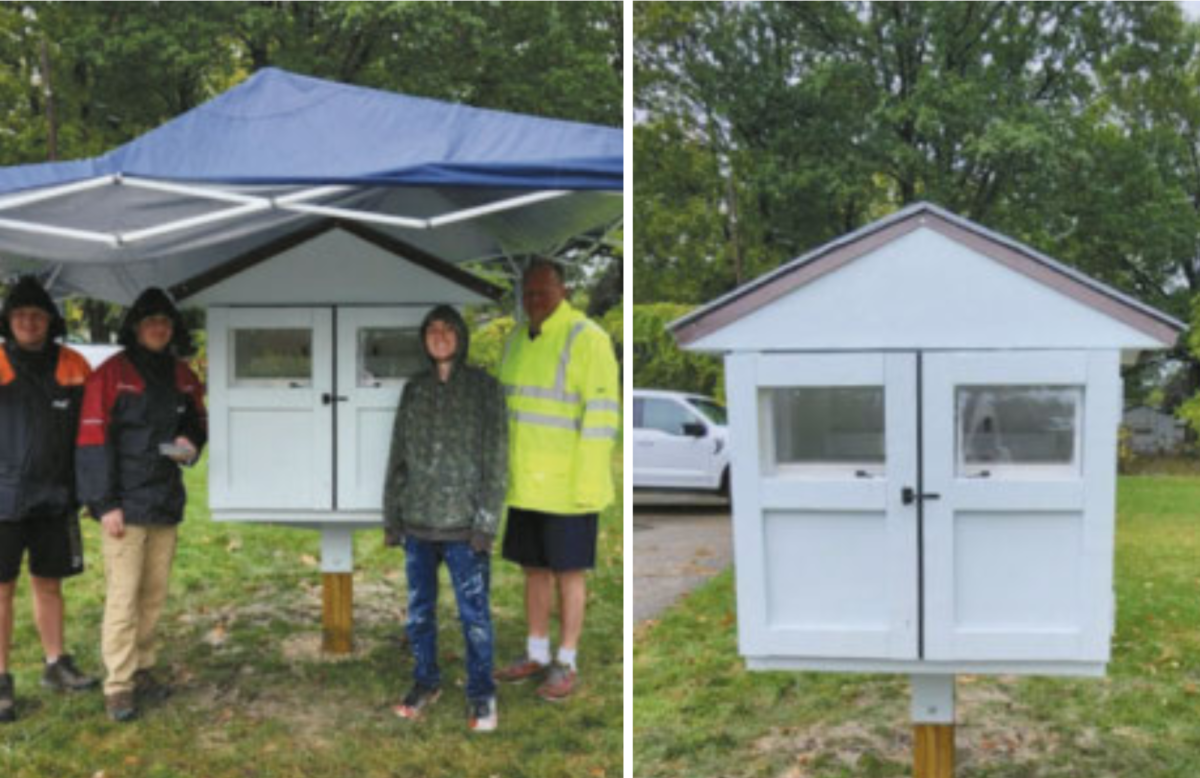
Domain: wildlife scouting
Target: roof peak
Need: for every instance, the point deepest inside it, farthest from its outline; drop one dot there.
(832, 255)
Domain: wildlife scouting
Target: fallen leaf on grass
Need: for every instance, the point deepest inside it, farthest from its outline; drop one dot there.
(132, 760)
(217, 636)
(308, 559)
(597, 772)
(234, 545)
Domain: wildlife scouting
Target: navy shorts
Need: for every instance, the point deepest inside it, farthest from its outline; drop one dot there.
(55, 547)
(551, 541)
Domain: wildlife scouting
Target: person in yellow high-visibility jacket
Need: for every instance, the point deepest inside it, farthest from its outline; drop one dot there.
(561, 380)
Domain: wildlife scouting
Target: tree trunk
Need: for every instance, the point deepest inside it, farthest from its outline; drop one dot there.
(739, 268)
(51, 117)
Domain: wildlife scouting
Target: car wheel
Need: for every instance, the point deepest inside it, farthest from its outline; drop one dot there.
(723, 489)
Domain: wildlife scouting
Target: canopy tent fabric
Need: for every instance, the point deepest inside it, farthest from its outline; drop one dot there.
(279, 151)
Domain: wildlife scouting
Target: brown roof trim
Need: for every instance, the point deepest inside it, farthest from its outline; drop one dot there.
(826, 259)
(1059, 282)
(419, 257)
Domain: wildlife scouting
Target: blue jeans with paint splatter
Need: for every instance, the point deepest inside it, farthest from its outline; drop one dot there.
(470, 573)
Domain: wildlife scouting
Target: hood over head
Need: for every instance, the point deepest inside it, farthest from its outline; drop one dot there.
(451, 316)
(29, 293)
(156, 302)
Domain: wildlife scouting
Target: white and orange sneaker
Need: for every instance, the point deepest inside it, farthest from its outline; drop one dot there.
(484, 717)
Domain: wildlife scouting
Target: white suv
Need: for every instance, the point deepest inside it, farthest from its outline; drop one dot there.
(680, 441)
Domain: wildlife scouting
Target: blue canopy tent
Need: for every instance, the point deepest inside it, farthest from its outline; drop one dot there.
(279, 152)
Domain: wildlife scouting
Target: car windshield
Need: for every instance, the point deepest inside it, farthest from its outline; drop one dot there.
(711, 410)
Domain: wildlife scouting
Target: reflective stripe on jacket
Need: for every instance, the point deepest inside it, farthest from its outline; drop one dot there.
(38, 418)
(564, 412)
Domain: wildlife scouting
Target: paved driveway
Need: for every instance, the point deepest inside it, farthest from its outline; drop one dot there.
(678, 544)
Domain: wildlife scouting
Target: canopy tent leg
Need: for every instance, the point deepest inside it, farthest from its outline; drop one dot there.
(933, 726)
(337, 590)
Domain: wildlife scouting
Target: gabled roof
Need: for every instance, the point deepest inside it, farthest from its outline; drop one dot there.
(191, 287)
(1010, 253)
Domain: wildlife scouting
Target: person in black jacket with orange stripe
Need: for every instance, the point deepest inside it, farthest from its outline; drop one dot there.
(41, 384)
(143, 416)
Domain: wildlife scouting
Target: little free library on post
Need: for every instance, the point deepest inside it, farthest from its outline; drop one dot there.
(923, 420)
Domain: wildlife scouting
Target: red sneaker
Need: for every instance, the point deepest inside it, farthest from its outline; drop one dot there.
(519, 671)
(559, 683)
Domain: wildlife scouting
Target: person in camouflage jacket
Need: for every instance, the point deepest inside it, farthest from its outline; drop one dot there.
(443, 493)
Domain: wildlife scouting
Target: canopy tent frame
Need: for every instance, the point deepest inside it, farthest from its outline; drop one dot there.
(244, 204)
(277, 152)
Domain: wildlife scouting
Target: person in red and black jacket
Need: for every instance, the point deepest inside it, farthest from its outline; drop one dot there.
(41, 384)
(143, 416)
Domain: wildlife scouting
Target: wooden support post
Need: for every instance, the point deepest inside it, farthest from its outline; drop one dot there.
(933, 726)
(337, 618)
(933, 751)
(337, 589)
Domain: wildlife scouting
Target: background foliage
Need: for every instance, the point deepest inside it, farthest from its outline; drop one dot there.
(766, 129)
(658, 364)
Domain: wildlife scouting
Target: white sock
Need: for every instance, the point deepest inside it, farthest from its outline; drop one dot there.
(538, 649)
(566, 656)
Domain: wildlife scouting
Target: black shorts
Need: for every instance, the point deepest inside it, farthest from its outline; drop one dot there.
(55, 547)
(551, 541)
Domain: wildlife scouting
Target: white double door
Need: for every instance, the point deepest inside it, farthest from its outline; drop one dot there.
(936, 506)
(299, 422)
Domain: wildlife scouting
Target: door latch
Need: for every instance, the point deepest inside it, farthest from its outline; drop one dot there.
(329, 399)
(908, 495)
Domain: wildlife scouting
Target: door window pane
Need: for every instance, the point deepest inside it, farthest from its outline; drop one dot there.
(1005, 429)
(823, 426)
(666, 416)
(389, 355)
(271, 356)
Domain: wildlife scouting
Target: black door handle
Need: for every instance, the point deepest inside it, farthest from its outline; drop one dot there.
(908, 495)
(329, 399)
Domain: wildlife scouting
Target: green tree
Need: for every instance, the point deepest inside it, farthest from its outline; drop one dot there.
(659, 364)
(1070, 126)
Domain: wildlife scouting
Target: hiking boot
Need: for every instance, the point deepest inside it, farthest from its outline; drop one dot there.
(8, 703)
(519, 671)
(559, 683)
(62, 676)
(120, 707)
(147, 688)
(483, 716)
(417, 701)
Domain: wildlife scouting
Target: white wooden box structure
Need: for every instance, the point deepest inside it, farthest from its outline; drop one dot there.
(924, 422)
(310, 341)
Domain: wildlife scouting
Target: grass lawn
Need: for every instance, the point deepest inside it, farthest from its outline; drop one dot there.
(240, 638)
(698, 712)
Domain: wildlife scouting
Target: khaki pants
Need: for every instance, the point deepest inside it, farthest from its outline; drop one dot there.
(136, 567)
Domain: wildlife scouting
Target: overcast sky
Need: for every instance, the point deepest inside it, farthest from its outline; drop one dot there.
(1191, 8)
